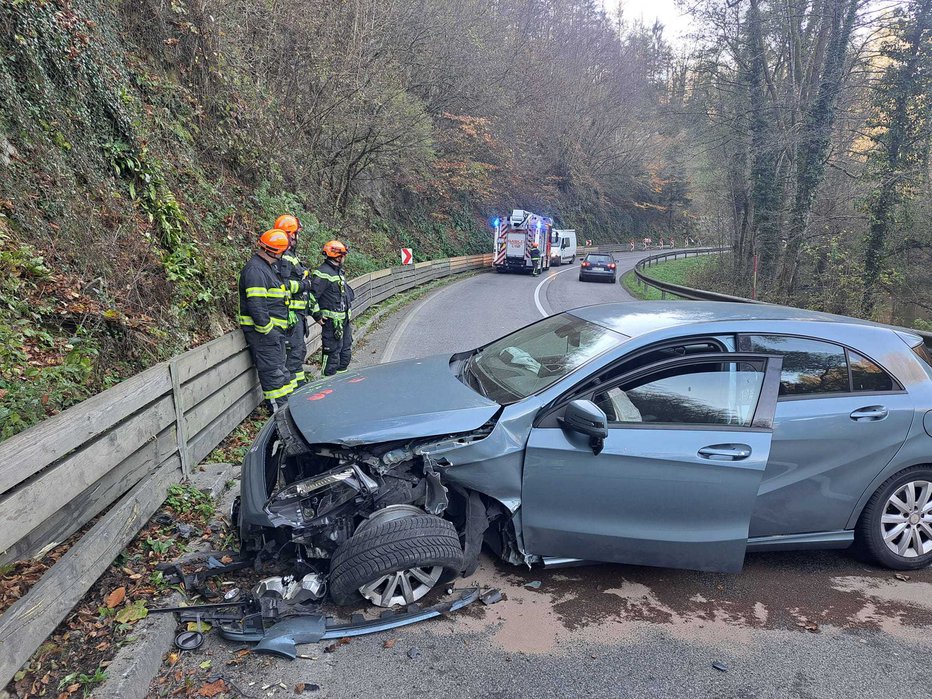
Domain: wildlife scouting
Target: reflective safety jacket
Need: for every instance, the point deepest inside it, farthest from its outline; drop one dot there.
(333, 296)
(263, 297)
(296, 276)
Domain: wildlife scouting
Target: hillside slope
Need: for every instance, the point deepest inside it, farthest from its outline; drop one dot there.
(145, 143)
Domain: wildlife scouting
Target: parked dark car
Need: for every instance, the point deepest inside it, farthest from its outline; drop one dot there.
(665, 434)
(599, 266)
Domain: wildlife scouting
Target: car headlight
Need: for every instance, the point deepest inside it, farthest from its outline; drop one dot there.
(312, 498)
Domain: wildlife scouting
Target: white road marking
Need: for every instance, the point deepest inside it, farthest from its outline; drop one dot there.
(540, 286)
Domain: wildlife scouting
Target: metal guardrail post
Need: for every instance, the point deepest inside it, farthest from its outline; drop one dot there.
(180, 429)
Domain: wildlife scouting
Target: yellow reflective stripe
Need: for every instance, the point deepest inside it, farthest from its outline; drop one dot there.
(300, 376)
(298, 305)
(295, 286)
(278, 392)
(291, 258)
(247, 321)
(329, 277)
(333, 314)
(262, 292)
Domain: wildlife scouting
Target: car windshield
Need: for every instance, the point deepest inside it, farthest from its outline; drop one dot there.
(599, 258)
(533, 358)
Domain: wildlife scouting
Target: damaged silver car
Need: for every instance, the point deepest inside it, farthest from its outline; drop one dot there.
(676, 434)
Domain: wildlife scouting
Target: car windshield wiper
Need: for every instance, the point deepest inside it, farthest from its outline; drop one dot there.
(471, 376)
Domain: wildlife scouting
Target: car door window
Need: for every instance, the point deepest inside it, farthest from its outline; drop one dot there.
(809, 366)
(702, 393)
(868, 376)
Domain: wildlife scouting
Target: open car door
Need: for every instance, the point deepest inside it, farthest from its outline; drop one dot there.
(675, 480)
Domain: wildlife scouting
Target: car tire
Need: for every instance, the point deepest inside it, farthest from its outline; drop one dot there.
(872, 530)
(425, 544)
(581, 278)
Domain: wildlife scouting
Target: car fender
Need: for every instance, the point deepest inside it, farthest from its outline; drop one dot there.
(915, 451)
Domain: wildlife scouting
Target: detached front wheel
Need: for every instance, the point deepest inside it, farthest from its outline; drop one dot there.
(396, 562)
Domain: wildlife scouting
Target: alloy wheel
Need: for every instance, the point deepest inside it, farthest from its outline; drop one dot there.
(402, 587)
(906, 522)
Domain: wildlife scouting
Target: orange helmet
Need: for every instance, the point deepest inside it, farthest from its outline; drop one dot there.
(533, 245)
(288, 223)
(274, 241)
(334, 248)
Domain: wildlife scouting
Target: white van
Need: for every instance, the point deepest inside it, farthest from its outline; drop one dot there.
(563, 246)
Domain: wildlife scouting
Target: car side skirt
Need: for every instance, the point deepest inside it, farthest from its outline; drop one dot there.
(795, 542)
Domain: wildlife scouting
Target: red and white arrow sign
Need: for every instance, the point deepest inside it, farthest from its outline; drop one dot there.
(407, 257)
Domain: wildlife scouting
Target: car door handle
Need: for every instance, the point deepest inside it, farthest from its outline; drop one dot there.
(725, 452)
(871, 413)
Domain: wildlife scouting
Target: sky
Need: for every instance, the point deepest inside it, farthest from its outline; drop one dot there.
(674, 21)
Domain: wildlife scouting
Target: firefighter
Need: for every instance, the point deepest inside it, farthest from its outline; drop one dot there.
(535, 259)
(295, 275)
(333, 298)
(263, 315)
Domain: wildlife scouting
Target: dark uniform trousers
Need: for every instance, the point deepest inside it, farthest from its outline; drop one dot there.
(337, 344)
(296, 349)
(268, 354)
(295, 273)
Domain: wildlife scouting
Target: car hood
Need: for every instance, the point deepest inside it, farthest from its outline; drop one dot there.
(388, 402)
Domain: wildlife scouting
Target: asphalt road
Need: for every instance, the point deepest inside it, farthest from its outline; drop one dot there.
(808, 624)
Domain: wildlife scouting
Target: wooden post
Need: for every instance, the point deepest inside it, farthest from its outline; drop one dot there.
(180, 430)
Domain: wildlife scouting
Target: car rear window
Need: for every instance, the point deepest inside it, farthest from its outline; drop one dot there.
(600, 258)
(816, 367)
(924, 353)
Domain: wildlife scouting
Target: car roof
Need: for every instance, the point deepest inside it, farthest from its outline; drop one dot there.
(642, 317)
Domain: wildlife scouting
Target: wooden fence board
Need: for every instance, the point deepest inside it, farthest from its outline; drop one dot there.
(29, 621)
(199, 359)
(23, 509)
(205, 385)
(204, 412)
(94, 500)
(202, 444)
(35, 448)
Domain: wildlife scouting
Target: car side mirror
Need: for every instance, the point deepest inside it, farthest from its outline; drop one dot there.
(586, 417)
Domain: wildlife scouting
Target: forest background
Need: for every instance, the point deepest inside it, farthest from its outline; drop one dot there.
(145, 143)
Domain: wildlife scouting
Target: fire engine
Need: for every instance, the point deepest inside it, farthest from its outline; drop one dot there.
(514, 237)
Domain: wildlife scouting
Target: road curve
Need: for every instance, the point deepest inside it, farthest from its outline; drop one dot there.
(479, 309)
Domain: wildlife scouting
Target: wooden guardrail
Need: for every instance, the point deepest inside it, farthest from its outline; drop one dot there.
(121, 449)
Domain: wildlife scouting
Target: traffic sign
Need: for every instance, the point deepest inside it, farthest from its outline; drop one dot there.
(407, 257)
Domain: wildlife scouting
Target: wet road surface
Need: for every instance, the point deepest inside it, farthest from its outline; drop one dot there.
(800, 624)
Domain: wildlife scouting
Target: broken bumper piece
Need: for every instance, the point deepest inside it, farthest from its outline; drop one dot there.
(282, 638)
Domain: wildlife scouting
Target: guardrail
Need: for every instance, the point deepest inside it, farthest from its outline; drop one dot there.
(676, 289)
(122, 448)
(702, 295)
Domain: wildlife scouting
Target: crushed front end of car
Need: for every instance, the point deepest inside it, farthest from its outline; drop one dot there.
(382, 521)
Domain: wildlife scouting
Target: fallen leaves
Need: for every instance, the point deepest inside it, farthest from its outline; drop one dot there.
(810, 626)
(212, 689)
(115, 598)
(133, 612)
(390, 643)
(901, 576)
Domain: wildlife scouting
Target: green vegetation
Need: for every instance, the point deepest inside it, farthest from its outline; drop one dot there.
(683, 272)
(78, 680)
(186, 499)
(144, 145)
